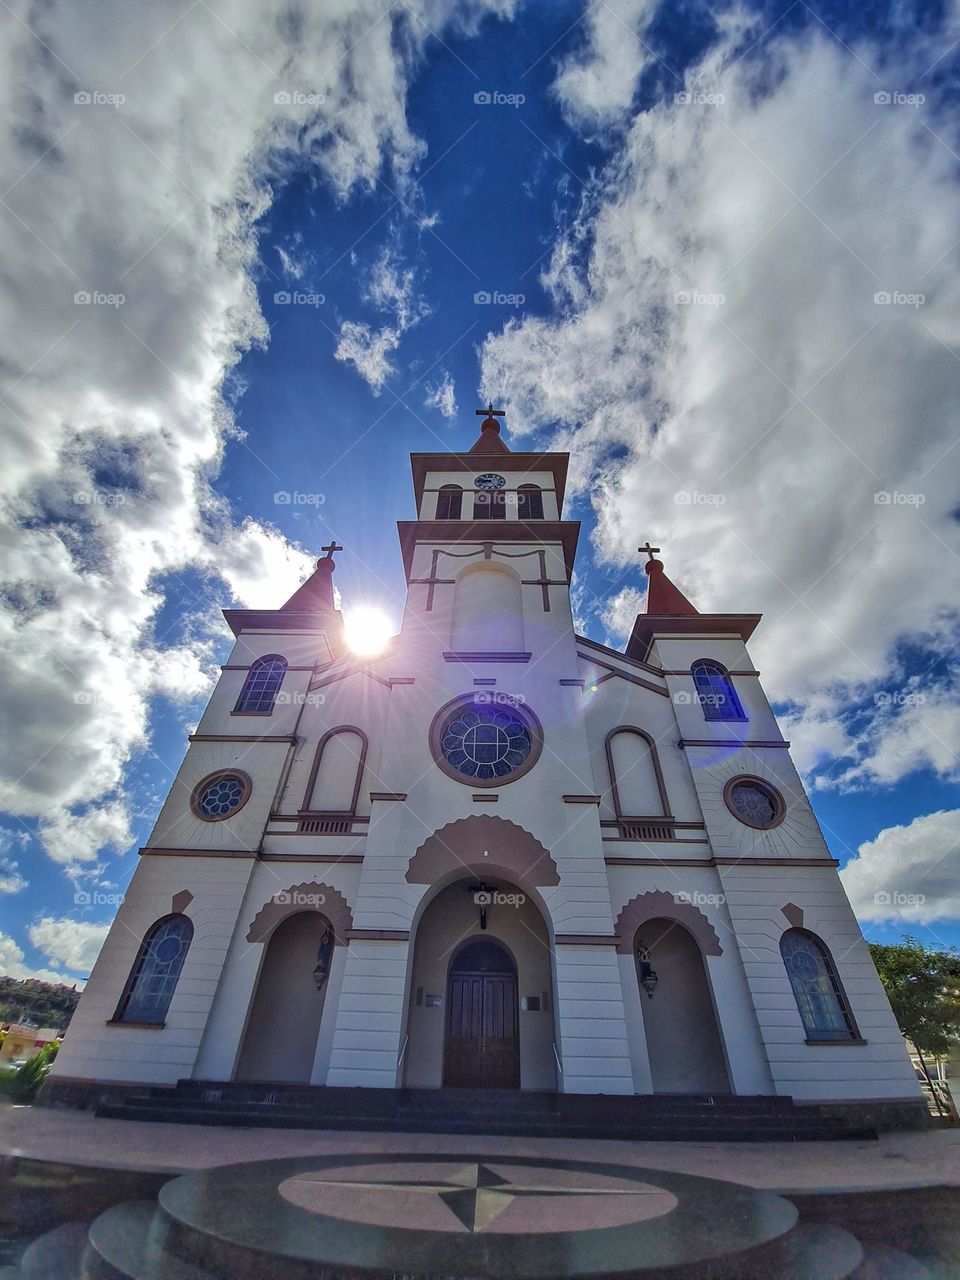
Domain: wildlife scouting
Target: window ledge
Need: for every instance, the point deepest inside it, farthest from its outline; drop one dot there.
(836, 1043)
(140, 1026)
(251, 713)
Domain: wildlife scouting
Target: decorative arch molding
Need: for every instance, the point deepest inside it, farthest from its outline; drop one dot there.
(483, 845)
(318, 760)
(309, 896)
(658, 772)
(657, 904)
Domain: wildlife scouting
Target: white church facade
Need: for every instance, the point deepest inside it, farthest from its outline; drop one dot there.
(494, 855)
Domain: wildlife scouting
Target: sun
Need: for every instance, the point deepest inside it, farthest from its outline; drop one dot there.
(367, 629)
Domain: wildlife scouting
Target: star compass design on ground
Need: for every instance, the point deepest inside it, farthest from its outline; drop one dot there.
(459, 1215)
(476, 1194)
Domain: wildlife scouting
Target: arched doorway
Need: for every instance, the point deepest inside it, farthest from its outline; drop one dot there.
(505, 985)
(482, 1042)
(683, 1040)
(280, 1040)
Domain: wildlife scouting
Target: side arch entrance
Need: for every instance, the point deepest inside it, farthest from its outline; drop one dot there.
(482, 1043)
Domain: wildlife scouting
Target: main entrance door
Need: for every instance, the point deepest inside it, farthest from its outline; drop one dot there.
(482, 1049)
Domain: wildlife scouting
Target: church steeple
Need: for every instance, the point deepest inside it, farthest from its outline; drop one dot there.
(663, 598)
(670, 613)
(489, 440)
(317, 592)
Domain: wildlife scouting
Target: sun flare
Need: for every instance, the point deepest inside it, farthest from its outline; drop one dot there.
(367, 629)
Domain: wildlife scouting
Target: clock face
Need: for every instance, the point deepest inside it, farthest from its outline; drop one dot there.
(489, 480)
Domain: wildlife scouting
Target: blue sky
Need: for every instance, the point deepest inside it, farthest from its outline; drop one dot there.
(688, 218)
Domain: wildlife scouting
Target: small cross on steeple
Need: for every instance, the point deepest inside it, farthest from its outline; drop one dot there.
(491, 412)
(334, 546)
(649, 550)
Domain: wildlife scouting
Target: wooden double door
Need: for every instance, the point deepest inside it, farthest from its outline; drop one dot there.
(482, 1047)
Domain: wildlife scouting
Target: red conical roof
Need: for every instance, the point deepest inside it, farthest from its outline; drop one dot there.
(662, 596)
(317, 592)
(489, 440)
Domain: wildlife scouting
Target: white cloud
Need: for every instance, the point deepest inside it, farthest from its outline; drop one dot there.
(113, 421)
(13, 965)
(368, 349)
(442, 396)
(596, 85)
(11, 881)
(392, 290)
(75, 944)
(748, 430)
(908, 874)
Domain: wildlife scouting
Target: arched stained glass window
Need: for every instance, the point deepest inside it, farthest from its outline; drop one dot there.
(715, 692)
(449, 502)
(260, 689)
(529, 502)
(816, 987)
(154, 975)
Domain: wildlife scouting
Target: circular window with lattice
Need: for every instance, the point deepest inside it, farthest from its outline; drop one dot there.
(221, 795)
(755, 802)
(486, 739)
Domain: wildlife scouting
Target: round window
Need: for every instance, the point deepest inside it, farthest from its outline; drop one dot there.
(485, 739)
(754, 802)
(220, 795)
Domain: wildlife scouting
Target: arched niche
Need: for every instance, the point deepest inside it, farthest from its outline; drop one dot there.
(283, 1027)
(659, 903)
(637, 789)
(487, 610)
(337, 772)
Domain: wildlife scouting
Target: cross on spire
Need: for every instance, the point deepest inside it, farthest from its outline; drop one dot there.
(491, 412)
(334, 546)
(649, 550)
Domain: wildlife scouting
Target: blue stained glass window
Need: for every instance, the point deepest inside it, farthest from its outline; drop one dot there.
(715, 692)
(221, 797)
(816, 987)
(485, 742)
(154, 975)
(260, 689)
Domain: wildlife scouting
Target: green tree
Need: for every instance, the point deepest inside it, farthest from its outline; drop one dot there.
(923, 987)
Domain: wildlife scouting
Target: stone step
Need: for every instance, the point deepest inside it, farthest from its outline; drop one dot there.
(56, 1255)
(533, 1126)
(127, 1243)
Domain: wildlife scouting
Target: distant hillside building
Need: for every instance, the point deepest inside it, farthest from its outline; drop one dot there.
(496, 855)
